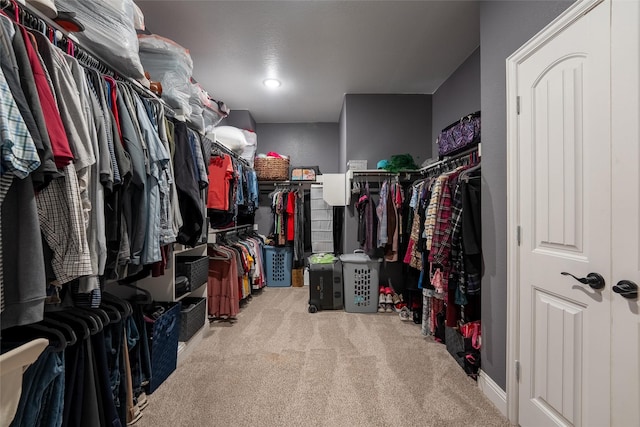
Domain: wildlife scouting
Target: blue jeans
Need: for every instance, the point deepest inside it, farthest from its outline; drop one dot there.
(42, 399)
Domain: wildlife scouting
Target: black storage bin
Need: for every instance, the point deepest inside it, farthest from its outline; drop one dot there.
(192, 317)
(163, 342)
(195, 268)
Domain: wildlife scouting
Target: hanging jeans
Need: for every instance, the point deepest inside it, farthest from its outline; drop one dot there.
(41, 402)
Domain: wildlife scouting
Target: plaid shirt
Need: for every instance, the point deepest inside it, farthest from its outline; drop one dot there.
(432, 210)
(441, 242)
(19, 154)
(457, 253)
(62, 225)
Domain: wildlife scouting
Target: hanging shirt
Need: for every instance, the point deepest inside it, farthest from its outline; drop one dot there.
(221, 174)
(19, 155)
(291, 219)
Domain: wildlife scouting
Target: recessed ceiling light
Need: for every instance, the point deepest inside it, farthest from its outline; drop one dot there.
(271, 83)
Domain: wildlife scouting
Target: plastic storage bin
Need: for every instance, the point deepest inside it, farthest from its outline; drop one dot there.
(360, 275)
(192, 317)
(278, 263)
(163, 344)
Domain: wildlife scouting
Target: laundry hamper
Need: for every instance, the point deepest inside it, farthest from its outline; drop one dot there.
(163, 335)
(360, 276)
(278, 263)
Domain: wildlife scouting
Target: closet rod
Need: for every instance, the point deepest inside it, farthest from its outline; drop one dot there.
(230, 229)
(231, 153)
(29, 11)
(365, 173)
(213, 233)
(450, 159)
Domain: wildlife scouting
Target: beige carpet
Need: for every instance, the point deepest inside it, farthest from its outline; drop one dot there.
(278, 365)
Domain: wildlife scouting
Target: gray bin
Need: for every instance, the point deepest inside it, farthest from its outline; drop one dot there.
(360, 276)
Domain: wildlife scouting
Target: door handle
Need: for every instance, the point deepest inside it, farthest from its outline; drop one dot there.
(627, 289)
(594, 280)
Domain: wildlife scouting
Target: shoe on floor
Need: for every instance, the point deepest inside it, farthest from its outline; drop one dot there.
(389, 308)
(405, 314)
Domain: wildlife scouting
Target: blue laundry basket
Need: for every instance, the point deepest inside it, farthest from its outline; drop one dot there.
(278, 263)
(163, 336)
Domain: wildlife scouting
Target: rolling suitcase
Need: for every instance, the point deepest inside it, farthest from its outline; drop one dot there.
(325, 286)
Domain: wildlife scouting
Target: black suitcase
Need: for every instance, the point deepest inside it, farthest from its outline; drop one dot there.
(325, 287)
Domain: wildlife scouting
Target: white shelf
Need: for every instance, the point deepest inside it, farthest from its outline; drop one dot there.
(162, 288)
(186, 348)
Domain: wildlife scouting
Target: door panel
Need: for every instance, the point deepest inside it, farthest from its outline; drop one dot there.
(557, 362)
(565, 180)
(625, 194)
(557, 115)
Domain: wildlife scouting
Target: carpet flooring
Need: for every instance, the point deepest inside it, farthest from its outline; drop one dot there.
(278, 365)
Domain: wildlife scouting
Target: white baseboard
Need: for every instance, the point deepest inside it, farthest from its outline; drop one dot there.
(494, 393)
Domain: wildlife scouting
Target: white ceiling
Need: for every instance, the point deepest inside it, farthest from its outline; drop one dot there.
(320, 50)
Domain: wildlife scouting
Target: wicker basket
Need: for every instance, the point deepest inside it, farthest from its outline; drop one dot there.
(192, 317)
(271, 168)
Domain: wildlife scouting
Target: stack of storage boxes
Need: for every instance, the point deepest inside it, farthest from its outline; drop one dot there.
(321, 222)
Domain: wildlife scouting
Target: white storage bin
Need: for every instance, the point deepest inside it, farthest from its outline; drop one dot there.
(322, 214)
(316, 192)
(321, 225)
(319, 204)
(355, 165)
(322, 247)
(322, 236)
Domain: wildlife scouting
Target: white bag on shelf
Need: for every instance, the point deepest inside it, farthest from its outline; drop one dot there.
(249, 152)
(170, 64)
(109, 32)
(232, 138)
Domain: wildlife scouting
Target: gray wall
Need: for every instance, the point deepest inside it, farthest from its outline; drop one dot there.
(504, 27)
(306, 144)
(378, 126)
(458, 96)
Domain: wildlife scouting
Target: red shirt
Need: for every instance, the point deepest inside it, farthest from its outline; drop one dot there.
(59, 143)
(291, 215)
(220, 177)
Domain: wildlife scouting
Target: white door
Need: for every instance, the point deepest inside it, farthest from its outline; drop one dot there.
(565, 219)
(577, 200)
(625, 194)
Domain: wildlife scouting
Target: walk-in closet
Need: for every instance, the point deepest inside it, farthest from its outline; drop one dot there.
(331, 213)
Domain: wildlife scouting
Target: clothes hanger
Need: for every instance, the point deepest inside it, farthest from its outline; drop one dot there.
(67, 330)
(18, 334)
(112, 311)
(222, 255)
(102, 315)
(124, 307)
(93, 320)
(79, 325)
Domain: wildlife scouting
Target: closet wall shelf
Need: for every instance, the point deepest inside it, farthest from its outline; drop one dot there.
(179, 248)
